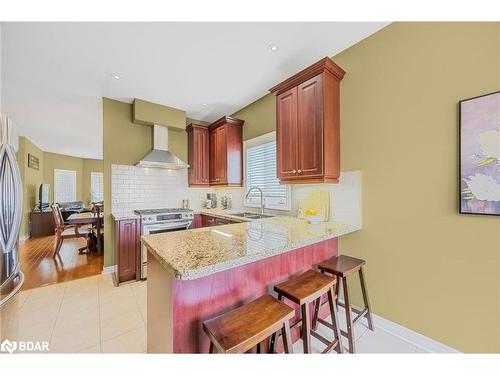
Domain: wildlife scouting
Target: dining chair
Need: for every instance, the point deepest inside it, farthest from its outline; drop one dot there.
(64, 231)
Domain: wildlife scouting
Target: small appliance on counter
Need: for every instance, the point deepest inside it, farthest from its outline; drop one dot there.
(226, 203)
(211, 201)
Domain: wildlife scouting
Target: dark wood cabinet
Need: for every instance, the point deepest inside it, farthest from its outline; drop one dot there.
(198, 155)
(127, 242)
(208, 221)
(212, 221)
(42, 223)
(308, 124)
(226, 152)
(215, 154)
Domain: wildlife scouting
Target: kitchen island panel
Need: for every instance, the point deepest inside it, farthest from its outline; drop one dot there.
(185, 304)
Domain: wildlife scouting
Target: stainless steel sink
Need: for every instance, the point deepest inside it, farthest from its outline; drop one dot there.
(251, 215)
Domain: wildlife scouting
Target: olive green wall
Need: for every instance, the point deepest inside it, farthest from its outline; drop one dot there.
(83, 167)
(428, 268)
(260, 117)
(89, 165)
(126, 143)
(57, 161)
(48, 161)
(31, 179)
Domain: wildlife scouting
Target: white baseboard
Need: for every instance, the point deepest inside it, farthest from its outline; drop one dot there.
(24, 238)
(109, 269)
(414, 338)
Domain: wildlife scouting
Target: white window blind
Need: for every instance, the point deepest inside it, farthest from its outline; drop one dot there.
(64, 186)
(97, 186)
(260, 167)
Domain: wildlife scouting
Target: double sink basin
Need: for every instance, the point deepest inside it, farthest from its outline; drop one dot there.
(250, 215)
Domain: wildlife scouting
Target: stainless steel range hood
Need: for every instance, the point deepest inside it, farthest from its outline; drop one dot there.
(160, 157)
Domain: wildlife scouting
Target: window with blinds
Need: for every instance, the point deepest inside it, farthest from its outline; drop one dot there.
(260, 170)
(97, 186)
(64, 186)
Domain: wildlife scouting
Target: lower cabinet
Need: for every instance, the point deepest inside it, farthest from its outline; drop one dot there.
(211, 221)
(128, 250)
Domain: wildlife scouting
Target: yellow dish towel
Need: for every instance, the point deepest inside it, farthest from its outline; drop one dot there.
(319, 201)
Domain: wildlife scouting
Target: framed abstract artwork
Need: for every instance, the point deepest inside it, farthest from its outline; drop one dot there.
(479, 149)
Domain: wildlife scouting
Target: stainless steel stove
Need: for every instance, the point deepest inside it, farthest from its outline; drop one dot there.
(161, 221)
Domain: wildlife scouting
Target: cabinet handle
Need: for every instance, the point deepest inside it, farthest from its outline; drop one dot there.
(299, 171)
(294, 171)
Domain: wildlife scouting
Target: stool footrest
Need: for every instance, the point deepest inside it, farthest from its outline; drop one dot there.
(329, 344)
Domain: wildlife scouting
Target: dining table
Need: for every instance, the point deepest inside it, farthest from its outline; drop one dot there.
(88, 218)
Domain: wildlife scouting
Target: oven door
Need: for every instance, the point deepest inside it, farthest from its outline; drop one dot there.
(159, 228)
(166, 227)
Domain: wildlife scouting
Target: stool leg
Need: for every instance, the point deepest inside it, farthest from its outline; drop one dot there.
(348, 316)
(306, 334)
(335, 321)
(211, 349)
(259, 348)
(317, 305)
(287, 338)
(337, 291)
(272, 345)
(366, 299)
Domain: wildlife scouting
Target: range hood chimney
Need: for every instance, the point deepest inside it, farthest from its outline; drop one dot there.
(160, 157)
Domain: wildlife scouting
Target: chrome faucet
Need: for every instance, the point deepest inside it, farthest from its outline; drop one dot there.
(261, 197)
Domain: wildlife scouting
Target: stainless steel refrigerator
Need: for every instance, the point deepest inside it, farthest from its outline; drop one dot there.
(11, 201)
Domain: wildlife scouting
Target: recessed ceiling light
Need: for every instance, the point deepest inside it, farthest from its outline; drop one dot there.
(116, 76)
(273, 47)
(204, 104)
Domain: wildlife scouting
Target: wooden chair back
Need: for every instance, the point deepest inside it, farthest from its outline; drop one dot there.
(58, 218)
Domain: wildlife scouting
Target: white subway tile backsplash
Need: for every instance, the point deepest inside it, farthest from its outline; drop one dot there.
(140, 188)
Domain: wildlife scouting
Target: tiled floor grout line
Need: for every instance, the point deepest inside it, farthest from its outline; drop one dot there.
(99, 309)
(58, 312)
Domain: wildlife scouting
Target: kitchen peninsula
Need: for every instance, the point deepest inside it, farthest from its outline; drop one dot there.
(198, 274)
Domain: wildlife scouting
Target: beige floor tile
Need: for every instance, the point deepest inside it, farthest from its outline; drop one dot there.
(120, 324)
(110, 296)
(72, 322)
(30, 331)
(118, 307)
(77, 304)
(91, 350)
(46, 315)
(74, 341)
(131, 342)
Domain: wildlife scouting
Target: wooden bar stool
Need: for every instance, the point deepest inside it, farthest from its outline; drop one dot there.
(249, 325)
(302, 290)
(342, 267)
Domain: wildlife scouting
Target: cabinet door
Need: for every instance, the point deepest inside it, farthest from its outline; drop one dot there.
(127, 249)
(310, 128)
(221, 159)
(213, 157)
(198, 156)
(286, 134)
(208, 221)
(201, 157)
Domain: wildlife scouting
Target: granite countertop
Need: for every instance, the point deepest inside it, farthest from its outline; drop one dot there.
(196, 253)
(124, 216)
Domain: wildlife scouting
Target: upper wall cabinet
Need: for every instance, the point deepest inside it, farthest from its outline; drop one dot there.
(308, 124)
(198, 155)
(226, 152)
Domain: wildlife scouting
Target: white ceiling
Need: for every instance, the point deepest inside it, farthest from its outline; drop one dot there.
(54, 74)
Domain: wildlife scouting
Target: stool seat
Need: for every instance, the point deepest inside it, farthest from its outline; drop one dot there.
(305, 287)
(243, 328)
(342, 265)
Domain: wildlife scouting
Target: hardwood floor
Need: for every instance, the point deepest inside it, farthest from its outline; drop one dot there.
(39, 268)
